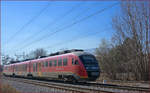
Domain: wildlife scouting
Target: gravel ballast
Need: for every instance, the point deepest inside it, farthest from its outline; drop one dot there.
(29, 88)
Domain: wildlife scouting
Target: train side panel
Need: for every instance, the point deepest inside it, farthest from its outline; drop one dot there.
(8, 70)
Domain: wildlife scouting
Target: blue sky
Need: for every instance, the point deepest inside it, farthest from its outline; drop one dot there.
(44, 18)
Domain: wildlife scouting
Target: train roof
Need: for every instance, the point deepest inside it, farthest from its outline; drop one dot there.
(81, 53)
(72, 51)
(66, 51)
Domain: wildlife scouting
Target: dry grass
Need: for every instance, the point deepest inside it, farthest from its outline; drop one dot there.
(7, 89)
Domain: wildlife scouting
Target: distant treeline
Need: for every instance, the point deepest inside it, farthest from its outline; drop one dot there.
(6, 59)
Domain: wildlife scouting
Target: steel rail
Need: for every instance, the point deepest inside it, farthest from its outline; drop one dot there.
(122, 87)
(88, 87)
(61, 86)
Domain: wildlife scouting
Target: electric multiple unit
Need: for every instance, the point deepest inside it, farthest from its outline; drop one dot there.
(74, 65)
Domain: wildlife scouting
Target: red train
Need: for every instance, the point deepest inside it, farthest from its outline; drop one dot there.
(74, 65)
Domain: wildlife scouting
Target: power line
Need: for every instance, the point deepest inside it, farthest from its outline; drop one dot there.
(77, 38)
(28, 23)
(55, 21)
(74, 18)
(70, 25)
(73, 23)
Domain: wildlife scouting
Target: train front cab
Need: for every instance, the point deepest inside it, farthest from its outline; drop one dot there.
(89, 66)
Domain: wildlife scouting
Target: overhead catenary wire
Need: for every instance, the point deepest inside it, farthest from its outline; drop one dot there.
(68, 26)
(74, 18)
(80, 20)
(28, 23)
(77, 38)
(50, 24)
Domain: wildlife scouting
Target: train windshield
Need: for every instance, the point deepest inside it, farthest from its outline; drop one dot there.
(91, 65)
(88, 59)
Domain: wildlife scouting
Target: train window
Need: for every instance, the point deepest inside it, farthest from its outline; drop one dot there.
(46, 63)
(36, 67)
(50, 63)
(43, 64)
(60, 62)
(76, 62)
(22, 68)
(26, 67)
(55, 63)
(32, 66)
(65, 61)
(72, 60)
(15, 68)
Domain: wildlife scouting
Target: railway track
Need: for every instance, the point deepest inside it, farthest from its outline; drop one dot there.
(83, 88)
(132, 88)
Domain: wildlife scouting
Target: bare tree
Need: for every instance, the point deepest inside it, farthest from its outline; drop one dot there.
(128, 54)
(110, 57)
(132, 30)
(38, 52)
(6, 59)
(17, 57)
(101, 54)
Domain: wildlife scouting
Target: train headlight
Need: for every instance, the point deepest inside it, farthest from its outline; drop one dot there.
(87, 67)
(92, 68)
(95, 68)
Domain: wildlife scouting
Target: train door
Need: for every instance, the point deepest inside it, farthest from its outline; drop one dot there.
(40, 68)
(75, 64)
(29, 68)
